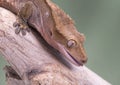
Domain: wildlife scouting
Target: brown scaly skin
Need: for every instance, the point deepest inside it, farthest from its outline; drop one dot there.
(52, 23)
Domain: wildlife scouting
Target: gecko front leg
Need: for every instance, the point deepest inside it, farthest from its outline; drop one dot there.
(23, 16)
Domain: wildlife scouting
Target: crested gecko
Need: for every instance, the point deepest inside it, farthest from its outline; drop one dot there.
(55, 26)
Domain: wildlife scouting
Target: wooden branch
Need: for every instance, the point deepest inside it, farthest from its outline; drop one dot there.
(32, 60)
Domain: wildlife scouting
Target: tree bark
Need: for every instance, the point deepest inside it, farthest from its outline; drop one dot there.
(33, 61)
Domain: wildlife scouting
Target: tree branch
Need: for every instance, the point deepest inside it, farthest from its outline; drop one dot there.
(32, 60)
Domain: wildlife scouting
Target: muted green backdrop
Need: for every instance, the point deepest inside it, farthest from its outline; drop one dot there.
(99, 20)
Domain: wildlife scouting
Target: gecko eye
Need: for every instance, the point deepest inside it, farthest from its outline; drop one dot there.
(71, 43)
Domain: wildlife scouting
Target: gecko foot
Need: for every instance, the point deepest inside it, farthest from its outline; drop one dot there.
(21, 26)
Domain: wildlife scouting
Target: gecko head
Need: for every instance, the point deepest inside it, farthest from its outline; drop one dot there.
(75, 49)
(71, 42)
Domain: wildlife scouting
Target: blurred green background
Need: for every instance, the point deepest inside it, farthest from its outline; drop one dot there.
(99, 20)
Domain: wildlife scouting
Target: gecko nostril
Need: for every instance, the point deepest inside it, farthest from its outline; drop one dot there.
(84, 61)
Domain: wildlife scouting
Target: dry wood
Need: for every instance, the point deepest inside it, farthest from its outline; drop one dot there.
(31, 58)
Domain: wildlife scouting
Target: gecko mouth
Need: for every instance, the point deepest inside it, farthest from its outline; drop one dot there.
(74, 60)
(68, 56)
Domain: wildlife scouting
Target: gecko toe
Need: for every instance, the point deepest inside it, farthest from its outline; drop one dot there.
(23, 31)
(16, 24)
(17, 30)
(28, 29)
